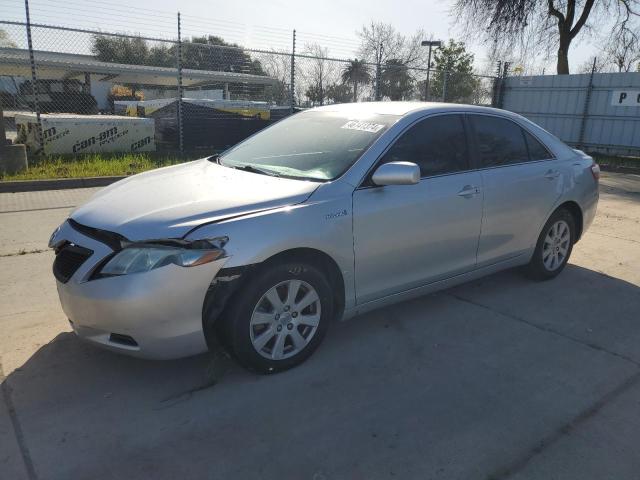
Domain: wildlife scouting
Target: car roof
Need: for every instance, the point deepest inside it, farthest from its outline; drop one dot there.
(402, 108)
(418, 109)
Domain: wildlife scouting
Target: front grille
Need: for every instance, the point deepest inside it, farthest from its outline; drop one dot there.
(68, 260)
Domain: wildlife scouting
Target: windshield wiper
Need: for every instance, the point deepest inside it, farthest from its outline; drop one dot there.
(245, 168)
(254, 169)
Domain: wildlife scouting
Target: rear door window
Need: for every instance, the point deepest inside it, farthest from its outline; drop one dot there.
(500, 141)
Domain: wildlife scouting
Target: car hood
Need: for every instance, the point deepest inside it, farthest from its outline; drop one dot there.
(169, 202)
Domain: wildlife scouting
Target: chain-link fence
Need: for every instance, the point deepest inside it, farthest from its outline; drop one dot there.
(322, 81)
(73, 90)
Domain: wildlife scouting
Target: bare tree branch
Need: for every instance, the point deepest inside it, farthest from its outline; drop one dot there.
(586, 11)
(555, 12)
(556, 23)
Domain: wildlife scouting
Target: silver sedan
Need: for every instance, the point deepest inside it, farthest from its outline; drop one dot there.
(326, 214)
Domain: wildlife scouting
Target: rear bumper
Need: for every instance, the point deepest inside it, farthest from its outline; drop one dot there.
(156, 314)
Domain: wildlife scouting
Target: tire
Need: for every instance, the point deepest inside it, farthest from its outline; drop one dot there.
(554, 246)
(265, 337)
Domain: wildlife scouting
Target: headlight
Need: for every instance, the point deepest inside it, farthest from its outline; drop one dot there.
(146, 257)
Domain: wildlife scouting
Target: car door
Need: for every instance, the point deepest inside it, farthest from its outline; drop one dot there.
(521, 181)
(406, 236)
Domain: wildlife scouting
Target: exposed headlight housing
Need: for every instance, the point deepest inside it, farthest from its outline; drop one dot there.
(51, 243)
(144, 257)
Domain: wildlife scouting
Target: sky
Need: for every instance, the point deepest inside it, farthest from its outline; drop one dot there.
(261, 24)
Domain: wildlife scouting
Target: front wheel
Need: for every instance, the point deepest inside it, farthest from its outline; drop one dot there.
(278, 320)
(554, 246)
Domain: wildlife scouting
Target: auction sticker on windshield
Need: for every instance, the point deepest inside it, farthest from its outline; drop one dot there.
(363, 126)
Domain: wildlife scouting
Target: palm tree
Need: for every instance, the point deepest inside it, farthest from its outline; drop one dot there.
(356, 72)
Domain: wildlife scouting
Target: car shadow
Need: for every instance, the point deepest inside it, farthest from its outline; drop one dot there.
(482, 370)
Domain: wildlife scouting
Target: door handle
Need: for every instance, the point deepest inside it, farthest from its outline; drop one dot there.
(551, 174)
(468, 191)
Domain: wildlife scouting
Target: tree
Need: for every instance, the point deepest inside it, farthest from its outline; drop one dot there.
(315, 94)
(454, 66)
(316, 71)
(161, 56)
(624, 49)
(277, 65)
(199, 53)
(394, 54)
(213, 53)
(355, 73)
(595, 64)
(131, 51)
(339, 93)
(381, 42)
(620, 51)
(396, 82)
(556, 22)
(526, 55)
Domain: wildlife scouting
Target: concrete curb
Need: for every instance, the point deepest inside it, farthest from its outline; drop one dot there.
(56, 184)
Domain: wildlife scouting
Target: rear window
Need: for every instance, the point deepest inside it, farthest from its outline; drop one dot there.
(537, 151)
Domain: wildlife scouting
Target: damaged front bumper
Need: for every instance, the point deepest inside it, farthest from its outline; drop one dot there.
(155, 314)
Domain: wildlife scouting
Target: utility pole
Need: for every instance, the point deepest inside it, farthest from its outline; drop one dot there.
(430, 44)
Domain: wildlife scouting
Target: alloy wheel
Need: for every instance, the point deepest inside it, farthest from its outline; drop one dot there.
(285, 319)
(556, 245)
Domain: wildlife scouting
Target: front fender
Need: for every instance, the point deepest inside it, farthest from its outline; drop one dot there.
(325, 225)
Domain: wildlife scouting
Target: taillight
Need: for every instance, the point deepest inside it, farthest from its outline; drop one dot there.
(595, 171)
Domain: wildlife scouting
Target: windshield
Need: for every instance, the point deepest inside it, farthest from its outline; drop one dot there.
(309, 145)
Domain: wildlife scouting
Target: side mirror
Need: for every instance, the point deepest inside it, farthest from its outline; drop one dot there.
(397, 173)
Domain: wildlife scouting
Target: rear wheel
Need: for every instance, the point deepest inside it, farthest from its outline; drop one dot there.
(279, 318)
(554, 246)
